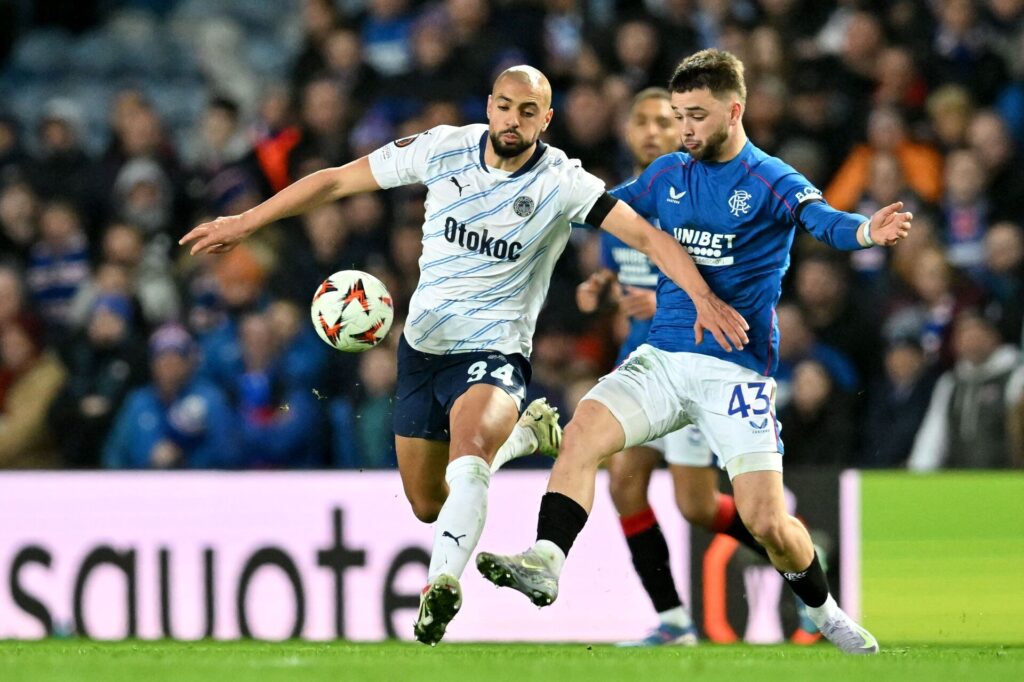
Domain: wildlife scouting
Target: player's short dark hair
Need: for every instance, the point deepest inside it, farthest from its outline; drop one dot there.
(719, 71)
(650, 93)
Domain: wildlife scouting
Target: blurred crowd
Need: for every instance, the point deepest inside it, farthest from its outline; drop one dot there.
(125, 123)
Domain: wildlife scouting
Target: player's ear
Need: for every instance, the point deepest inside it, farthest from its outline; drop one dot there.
(547, 119)
(490, 103)
(737, 112)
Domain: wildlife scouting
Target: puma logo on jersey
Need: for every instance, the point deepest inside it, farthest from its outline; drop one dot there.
(480, 242)
(674, 196)
(455, 181)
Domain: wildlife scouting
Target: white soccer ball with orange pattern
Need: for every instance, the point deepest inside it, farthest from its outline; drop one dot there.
(352, 311)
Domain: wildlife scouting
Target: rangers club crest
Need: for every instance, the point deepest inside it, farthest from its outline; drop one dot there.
(739, 202)
(523, 206)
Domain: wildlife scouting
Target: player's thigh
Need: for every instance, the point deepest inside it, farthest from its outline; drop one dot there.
(696, 489)
(629, 475)
(642, 395)
(481, 420)
(735, 410)
(421, 464)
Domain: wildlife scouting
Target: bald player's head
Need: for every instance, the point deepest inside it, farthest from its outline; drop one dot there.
(518, 110)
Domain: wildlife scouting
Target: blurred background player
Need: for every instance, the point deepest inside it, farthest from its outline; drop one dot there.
(736, 209)
(499, 208)
(628, 281)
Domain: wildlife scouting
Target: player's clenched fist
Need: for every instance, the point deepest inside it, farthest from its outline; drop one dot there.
(217, 236)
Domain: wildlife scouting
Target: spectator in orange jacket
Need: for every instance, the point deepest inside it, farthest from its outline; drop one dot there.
(921, 163)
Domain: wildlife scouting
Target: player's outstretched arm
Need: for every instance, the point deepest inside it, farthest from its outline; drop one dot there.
(713, 314)
(330, 184)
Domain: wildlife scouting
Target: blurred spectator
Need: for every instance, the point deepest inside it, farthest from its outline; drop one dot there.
(819, 421)
(105, 362)
(897, 404)
(822, 290)
(30, 379)
(320, 250)
(766, 109)
(319, 19)
(998, 153)
(144, 196)
(279, 418)
(218, 142)
(1003, 278)
(638, 55)
(966, 424)
(377, 375)
(19, 208)
(949, 112)
(938, 296)
(177, 421)
(324, 140)
(962, 51)
(61, 167)
(965, 210)
(922, 164)
(478, 44)
(387, 30)
(585, 130)
(12, 150)
(798, 344)
(900, 84)
(58, 263)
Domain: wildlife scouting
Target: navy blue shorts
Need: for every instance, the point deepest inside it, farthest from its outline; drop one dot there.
(428, 385)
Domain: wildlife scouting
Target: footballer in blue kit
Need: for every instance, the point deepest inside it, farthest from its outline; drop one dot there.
(628, 280)
(736, 210)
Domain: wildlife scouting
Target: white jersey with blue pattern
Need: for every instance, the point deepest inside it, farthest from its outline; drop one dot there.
(490, 238)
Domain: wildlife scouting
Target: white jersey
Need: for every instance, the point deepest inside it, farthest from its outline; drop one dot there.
(490, 238)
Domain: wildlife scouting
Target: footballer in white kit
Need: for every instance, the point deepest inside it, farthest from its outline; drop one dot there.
(499, 205)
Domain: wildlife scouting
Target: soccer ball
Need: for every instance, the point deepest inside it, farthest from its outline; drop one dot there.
(352, 311)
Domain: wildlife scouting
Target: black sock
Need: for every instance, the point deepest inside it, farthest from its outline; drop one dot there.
(810, 585)
(739, 531)
(650, 559)
(561, 519)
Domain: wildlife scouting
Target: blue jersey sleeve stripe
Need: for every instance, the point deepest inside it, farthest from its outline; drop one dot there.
(778, 196)
(617, 192)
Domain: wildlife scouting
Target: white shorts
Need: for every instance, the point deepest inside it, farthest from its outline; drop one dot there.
(655, 392)
(685, 447)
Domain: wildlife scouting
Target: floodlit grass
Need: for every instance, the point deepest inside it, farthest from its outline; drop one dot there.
(943, 557)
(81, 661)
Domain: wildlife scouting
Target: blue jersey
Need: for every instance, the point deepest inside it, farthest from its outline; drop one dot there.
(634, 269)
(737, 219)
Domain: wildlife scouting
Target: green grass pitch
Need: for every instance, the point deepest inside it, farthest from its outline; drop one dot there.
(943, 557)
(73, 661)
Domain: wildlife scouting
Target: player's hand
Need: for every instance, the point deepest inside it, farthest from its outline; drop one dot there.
(639, 303)
(217, 236)
(721, 319)
(590, 291)
(889, 225)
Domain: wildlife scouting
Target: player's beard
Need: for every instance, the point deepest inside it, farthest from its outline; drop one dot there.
(712, 147)
(509, 151)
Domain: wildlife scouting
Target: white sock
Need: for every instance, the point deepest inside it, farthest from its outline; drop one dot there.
(819, 614)
(551, 554)
(458, 526)
(677, 616)
(520, 443)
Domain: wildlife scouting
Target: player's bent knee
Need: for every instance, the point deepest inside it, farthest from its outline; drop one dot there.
(768, 528)
(696, 512)
(426, 510)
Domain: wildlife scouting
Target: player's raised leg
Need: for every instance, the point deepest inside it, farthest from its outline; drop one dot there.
(629, 476)
(593, 434)
(481, 420)
(761, 504)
